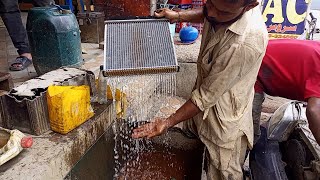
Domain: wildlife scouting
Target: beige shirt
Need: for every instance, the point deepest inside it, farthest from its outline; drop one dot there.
(228, 64)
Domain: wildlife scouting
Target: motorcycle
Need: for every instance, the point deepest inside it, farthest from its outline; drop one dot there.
(286, 150)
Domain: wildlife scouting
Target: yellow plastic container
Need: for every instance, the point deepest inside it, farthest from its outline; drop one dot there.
(120, 101)
(121, 104)
(69, 107)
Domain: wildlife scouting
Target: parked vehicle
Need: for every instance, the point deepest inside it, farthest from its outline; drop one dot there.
(286, 150)
(313, 21)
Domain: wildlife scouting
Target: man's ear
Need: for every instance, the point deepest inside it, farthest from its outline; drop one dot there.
(251, 5)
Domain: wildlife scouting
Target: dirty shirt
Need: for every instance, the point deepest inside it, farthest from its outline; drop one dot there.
(228, 65)
(290, 69)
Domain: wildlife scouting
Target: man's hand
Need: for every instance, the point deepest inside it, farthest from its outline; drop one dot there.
(173, 16)
(155, 128)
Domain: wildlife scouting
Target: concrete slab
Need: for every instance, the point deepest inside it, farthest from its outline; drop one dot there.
(20, 75)
(53, 155)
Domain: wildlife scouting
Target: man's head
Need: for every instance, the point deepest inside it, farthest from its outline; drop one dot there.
(226, 11)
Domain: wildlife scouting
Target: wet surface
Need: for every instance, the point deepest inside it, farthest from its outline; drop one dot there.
(155, 165)
(171, 156)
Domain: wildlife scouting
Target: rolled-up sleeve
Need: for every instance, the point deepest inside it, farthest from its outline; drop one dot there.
(232, 63)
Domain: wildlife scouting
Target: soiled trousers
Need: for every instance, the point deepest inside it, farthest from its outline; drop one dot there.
(234, 167)
(256, 115)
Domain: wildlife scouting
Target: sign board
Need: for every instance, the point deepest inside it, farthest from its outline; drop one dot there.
(285, 18)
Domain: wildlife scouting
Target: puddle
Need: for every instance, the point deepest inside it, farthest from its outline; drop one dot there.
(155, 165)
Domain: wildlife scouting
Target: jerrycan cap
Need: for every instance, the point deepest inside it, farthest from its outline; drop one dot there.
(26, 142)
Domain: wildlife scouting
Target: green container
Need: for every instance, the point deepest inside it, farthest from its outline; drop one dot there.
(54, 38)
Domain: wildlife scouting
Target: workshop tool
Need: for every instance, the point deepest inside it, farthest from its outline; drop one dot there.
(138, 46)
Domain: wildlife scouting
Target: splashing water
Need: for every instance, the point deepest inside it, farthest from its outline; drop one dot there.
(136, 100)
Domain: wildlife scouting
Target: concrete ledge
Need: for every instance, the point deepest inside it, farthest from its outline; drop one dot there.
(53, 155)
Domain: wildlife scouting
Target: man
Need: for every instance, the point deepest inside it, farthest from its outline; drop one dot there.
(233, 44)
(10, 14)
(290, 69)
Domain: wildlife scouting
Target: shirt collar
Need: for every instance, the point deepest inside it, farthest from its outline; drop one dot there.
(240, 25)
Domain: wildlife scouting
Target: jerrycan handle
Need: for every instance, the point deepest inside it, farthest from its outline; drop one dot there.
(63, 11)
(57, 6)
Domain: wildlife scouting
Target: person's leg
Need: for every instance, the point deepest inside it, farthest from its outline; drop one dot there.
(190, 128)
(313, 115)
(42, 3)
(12, 19)
(234, 170)
(256, 115)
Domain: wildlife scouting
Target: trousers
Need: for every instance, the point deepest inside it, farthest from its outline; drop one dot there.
(11, 17)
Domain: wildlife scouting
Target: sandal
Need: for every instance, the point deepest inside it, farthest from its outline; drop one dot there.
(20, 64)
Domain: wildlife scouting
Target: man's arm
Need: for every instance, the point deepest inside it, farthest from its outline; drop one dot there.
(313, 115)
(225, 73)
(158, 126)
(194, 15)
(185, 112)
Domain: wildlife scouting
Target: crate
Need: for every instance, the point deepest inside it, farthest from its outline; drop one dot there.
(91, 26)
(180, 2)
(198, 3)
(198, 26)
(182, 7)
(180, 25)
(185, 6)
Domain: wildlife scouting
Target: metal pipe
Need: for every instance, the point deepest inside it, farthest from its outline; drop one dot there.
(153, 6)
(140, 71)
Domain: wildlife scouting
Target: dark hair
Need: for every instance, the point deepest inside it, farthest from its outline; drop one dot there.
(245, 2)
